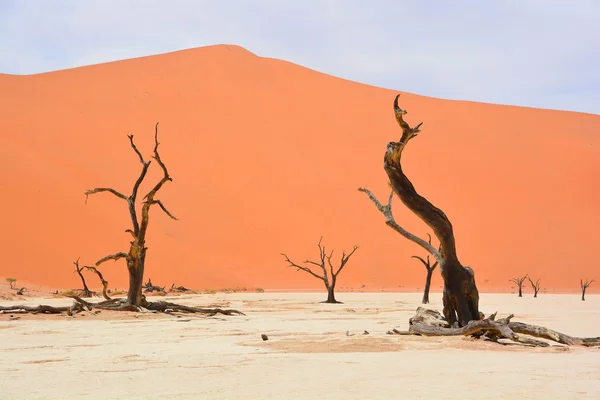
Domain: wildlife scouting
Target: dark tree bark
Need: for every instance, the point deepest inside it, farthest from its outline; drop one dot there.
(584, 286)
(519, 283)
(329, 276)
(535, 286)
(78, 269)
(460, 297)
(136, 256)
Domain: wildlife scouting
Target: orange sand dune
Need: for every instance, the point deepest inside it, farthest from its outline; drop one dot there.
(266, 157)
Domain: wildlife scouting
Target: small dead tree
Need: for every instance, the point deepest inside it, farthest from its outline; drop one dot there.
(391, 222)
(535, 286)
(328, 275)
(584, 286)
(430, 268)
(86, 291)
(519, 283)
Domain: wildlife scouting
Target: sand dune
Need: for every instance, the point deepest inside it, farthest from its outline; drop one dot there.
(266, 157)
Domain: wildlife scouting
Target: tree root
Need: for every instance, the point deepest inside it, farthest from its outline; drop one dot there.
(429, 323)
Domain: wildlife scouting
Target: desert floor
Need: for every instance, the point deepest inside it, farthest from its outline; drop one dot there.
(309, 354)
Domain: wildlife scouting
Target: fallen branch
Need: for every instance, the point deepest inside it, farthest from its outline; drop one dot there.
(431, 323)
(178, 289)
(165, 306)
(149, 287)
(42, 309)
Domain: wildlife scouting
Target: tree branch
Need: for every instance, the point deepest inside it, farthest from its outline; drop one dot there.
(111, 190)
(162, 207)
(302, 268)
(166, 177)
(391, 222)
(136, 186)
(344, 260)
(104, 282)
(115, 257)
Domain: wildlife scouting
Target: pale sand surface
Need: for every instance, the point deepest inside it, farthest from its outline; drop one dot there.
(308, 355)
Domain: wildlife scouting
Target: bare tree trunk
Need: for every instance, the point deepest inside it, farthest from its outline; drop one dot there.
(584, 286)
(461, 297)
(136, 280)
(520, 290)
(427, 286)
(331, 295)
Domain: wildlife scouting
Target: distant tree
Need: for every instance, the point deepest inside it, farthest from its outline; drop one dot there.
(328, 275)
(11, 282)
(519, 283)
(430, 268)
(535, 286)
(584, 286)
(86, 291)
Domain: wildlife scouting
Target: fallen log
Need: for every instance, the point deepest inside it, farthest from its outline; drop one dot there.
(431, 323)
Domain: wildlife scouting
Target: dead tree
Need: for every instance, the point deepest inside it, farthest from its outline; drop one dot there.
(430, 268)
(328, 275)
(136, 256)
(460, 297)
(584, 286)
(519, 283)
(535, 286)
(78, 269)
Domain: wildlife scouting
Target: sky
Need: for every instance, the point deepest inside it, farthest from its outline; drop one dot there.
(534, 53)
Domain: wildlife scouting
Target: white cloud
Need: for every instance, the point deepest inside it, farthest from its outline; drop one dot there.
(539, 53)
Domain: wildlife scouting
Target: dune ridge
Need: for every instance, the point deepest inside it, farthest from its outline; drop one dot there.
(267, 156)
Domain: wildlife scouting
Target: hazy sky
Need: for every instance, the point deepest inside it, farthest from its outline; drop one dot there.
(538, 53)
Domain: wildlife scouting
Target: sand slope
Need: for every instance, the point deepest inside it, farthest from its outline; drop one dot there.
(266, 157)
